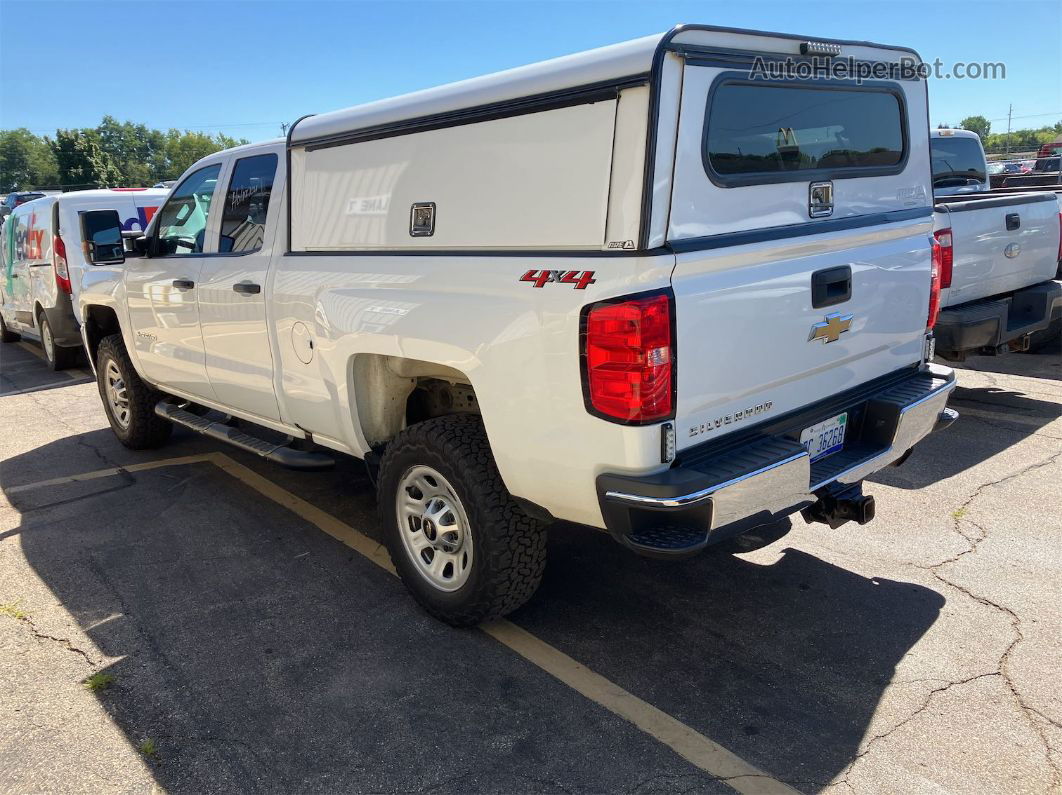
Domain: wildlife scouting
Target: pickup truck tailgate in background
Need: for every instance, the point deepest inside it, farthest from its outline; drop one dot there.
(750, 344)
(1000, 244)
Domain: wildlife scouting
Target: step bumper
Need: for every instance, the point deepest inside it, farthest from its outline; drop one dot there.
(712, 495)
(992, 323)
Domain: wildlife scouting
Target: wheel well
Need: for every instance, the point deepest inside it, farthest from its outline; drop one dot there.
(100, 322)
(392, 393)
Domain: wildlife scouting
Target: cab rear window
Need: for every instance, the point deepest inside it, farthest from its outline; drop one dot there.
(760, 133)
(957, 161)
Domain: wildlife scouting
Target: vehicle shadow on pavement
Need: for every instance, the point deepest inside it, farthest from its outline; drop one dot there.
(991, 420)
(261, 654)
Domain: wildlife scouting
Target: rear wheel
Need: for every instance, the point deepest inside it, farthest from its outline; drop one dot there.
(128, 402)
(460, 543)
(6, 334)
(58, 358)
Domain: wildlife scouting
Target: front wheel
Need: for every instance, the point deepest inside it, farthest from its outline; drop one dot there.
(460, 543)
(128, 402)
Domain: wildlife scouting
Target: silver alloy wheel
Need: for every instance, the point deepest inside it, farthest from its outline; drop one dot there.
(117, 395)
(434, 528)
(46, 339)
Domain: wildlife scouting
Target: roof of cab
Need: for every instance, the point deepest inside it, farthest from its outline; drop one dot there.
(603, 65)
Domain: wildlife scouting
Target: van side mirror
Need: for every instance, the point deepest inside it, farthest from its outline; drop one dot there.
(102, 232)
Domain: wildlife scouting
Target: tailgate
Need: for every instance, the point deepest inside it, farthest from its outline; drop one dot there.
(1000, 244)
(752, 344)
(801, 220)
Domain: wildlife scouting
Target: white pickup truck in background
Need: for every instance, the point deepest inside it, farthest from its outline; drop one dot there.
(606, 289)
(999, 253)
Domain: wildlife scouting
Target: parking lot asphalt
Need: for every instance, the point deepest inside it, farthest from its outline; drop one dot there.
(244, 636)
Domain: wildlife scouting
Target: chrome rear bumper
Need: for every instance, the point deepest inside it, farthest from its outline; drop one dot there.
(713, 493)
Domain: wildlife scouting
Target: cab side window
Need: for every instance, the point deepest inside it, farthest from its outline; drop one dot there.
(243, 217)
(183, 219)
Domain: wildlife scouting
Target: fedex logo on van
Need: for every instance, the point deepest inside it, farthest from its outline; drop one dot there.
(27, 238)
(140, 223)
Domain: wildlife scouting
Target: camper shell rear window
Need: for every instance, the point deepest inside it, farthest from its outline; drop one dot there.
(760, 132)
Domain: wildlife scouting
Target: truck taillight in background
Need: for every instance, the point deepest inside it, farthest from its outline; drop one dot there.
(62, 272)
(629, 358)
(940, 273)
(942, 240)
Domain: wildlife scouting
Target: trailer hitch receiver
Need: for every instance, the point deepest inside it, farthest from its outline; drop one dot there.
(837, 508)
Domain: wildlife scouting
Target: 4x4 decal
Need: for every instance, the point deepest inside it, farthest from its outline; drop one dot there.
(541, 278)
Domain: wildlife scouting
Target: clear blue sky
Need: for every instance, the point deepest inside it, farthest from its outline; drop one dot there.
(243, 67)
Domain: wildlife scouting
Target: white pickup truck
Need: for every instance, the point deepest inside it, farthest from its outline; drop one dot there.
(1000, 255)
(611, 288)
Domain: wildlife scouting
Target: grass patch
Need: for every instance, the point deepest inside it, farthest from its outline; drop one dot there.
(959, 513)
(12, 609)
(98, 682)
(148, 747)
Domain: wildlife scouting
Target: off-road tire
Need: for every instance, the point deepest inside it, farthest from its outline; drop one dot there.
(146, 429)
(58, 358)
(6, 334)
(510, 546)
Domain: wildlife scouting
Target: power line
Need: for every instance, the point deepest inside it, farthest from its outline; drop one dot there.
(1029, 115)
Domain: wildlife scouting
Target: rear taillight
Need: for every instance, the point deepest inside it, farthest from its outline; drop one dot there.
(942, 240)
(629, 357)
(934, 280)
(62, 272)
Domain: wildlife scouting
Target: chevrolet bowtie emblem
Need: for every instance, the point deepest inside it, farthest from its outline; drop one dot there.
(831, 329)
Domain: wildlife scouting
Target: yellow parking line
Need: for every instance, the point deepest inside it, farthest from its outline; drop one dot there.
(104, 473)
(685, 741)
(74, 374)
(691, 745)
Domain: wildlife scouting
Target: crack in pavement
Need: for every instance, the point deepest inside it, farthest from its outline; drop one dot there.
(43, 636)
(1002, 666)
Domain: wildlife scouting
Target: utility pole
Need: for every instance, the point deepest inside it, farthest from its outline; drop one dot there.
(1010, 110)
(283, 129)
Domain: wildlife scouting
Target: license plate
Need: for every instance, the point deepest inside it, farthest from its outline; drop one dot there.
(826, 437)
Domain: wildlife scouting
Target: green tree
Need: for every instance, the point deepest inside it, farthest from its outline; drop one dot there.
(977, 124)
(26, 161)
(184, 148)
(135, 150)
(82, 161)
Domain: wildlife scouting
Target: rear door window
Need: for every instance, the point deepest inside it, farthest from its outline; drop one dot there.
(958, 162)
(247, 203)
(759, 133)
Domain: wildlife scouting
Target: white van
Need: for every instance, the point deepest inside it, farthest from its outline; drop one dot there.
(47, 244)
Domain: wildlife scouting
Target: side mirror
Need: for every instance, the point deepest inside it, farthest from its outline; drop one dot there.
(102, 232)
(5, 211)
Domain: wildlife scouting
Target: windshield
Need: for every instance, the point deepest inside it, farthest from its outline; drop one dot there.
(956, 162)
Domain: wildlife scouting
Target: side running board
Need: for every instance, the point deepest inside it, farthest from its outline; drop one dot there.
(278, 453)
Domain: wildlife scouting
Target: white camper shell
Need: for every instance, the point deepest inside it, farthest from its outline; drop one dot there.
(678, 291)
